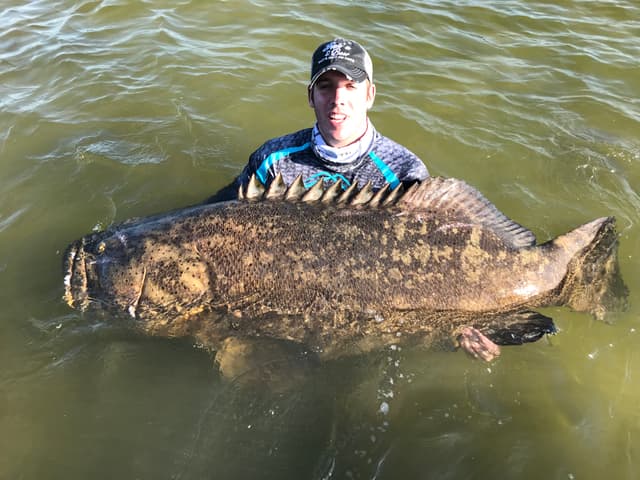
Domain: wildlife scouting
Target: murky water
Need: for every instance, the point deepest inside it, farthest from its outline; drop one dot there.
(113, 109)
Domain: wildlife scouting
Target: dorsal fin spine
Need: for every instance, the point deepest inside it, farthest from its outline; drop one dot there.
(255, 189)
(331, 193)
(296, 190)
(394, 196)
(344, 197)
(363, 196)
(276, 189)
(379, 196)
(314, 193)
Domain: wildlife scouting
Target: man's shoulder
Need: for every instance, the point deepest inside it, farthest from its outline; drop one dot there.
(405, 164)
(299, 139)
(385, 145)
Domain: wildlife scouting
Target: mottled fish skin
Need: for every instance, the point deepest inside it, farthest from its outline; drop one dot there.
(338, 271)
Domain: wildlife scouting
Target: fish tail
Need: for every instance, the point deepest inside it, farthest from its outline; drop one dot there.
(593, 282)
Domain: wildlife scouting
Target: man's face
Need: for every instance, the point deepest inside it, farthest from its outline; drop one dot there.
(341, 107)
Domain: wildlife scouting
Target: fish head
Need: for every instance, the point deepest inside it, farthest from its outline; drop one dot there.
(101, 273)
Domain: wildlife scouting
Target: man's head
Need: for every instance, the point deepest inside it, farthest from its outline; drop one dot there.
(341, 90)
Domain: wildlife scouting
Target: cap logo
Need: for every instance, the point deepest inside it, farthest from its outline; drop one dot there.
(341, 50)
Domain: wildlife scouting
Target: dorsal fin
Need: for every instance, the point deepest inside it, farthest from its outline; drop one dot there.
(449, 197)
(463, 203)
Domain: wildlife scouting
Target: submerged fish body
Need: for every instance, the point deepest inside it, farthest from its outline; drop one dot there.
(337, 271)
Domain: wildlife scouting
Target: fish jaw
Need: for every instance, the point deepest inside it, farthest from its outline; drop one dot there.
(75, 278)
(99, 274)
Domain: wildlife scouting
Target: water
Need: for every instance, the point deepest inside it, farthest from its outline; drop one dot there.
(114, 109)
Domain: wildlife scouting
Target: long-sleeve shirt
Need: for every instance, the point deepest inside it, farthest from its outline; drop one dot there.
(292, 155)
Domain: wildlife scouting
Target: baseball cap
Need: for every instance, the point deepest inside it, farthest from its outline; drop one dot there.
(345, 56)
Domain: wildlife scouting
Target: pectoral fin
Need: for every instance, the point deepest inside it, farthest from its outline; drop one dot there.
(518, 328)
(265, 362)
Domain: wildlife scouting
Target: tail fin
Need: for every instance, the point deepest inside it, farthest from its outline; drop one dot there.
(593, 283)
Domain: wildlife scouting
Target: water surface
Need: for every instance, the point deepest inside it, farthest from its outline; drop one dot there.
(113, 109)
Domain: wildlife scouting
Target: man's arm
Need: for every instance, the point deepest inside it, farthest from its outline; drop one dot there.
(230, 192)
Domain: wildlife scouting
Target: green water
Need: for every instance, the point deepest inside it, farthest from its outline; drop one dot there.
(113, 109)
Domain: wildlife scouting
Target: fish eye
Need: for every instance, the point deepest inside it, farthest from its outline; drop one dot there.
(101, 247)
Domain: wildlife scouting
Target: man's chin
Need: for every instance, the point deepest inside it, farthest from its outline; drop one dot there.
(337, 138)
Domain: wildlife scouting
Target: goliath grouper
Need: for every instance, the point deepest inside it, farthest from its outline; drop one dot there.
(342, 272)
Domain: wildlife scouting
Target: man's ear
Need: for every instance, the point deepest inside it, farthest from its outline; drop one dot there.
(310, 96)
(371, 95)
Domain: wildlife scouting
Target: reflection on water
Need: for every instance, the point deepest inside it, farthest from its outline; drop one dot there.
(113, 109)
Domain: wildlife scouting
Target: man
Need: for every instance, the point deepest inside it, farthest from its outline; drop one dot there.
(343, 144)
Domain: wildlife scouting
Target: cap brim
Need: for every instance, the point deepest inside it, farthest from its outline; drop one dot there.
(354, 74)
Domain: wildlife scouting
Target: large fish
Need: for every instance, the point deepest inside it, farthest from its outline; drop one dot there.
(343, 271)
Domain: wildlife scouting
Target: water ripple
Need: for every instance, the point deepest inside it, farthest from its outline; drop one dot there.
(112, 108)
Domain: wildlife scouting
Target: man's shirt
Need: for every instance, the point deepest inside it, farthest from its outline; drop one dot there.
(292, 155)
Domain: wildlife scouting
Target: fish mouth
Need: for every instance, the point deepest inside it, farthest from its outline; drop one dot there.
(75, 276)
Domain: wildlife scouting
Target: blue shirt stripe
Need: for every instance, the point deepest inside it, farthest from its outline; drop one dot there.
(388, 174)
(276, 157)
